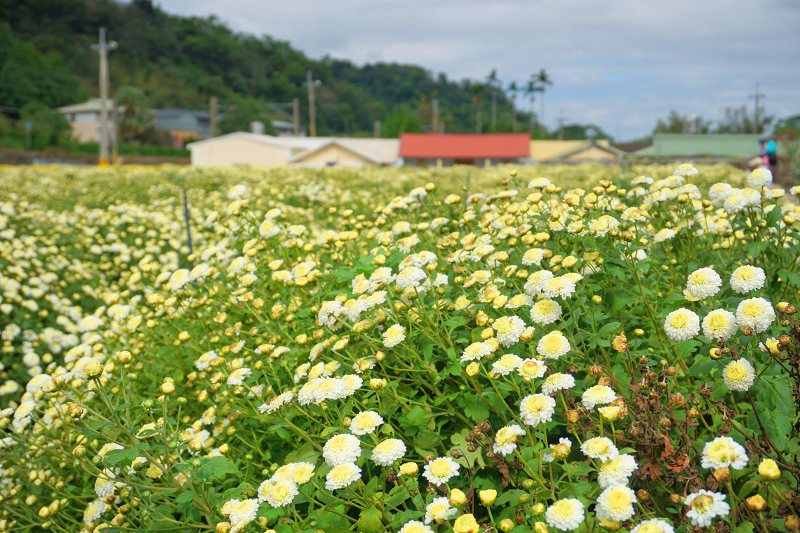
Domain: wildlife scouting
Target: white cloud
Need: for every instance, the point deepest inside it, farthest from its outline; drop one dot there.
(622, 63)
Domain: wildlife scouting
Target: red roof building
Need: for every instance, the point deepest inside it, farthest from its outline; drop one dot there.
(464, 148)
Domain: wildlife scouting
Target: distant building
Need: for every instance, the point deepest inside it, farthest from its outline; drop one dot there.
(84, 119)
(741, 146)
(182, 125)
(269, 151)
(445, 149)
(579, 151)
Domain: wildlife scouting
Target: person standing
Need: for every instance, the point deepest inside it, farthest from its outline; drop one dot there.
(771, 151)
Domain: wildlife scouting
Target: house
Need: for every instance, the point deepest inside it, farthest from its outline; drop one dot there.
(579, 151)
(183, 125)
(737, 146)
(269, 151)
(445, 149)
(84, 119)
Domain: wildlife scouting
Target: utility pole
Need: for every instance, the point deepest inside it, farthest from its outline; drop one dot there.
(494, 110)
(296, 116)
(213, 107)
(376, 129)
(757, 115)
(102, 47)
(312, 84)
(561, 119)
(435, 116)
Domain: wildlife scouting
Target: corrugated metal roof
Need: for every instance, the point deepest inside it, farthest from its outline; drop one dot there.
(464, 146)
(733, 145)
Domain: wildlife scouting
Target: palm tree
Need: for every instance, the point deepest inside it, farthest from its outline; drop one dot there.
(543, 80)
(531, 88)
(493, 86)
(477, 90)
(513, 90)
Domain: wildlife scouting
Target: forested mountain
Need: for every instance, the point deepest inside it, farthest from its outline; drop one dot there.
(45, 58)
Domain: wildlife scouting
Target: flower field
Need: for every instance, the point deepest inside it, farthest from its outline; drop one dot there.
(549, 348)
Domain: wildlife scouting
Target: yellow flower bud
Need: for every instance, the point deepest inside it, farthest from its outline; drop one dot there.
(487, 496)
(473, 369)
(409, 469)
(768, 469)
(457, 498)
(466, 524)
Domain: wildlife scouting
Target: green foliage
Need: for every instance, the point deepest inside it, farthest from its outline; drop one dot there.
(49, 127)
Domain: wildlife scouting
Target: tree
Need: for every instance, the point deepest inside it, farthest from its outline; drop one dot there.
(677, 123)
(28, 76)
(134, 119)
(541, 81)
(401, 120)
(49, 127)
(739, 120)
(242, 113)
(513, 91)
(575, 132)
(493, 86)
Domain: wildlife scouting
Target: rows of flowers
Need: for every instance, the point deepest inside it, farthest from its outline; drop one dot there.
(529, 350)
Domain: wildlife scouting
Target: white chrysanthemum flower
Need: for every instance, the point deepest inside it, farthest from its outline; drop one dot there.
(240, 513)
(533, 285)
(409, 277)
(720, 324)
(682, 324)
(739, 375)
(238, 376)
(507, 364)
(561, 287)
(505, 440)
(755, 313)
(537, 408)
(440, 470)
(664, 235)
(509, 329)
(565, 515)
(104, 484)
(475, 351)
(394, 335)
(557, 382)
(703, 283)
(617, 471)
(388, 451)
(533, 256)
(365, 422)
(439, 510)
(598, 395)
(705, 506)
(616, 503)
(340, 449)
(277, 492)
(545, 312)
(758, 178)
(268, 228)
(531, 368)
(553, 345)
(724, 452)
(94, 510)
(297, 473)
(718, 192)
(601, 448)
(747, 278)
(654, 525)
(415, 526)
(342, 476)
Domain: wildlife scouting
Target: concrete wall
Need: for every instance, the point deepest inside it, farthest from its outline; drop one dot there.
(239, 151)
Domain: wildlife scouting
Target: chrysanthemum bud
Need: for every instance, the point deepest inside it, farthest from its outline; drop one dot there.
(541, 527)
(722, 474)
(538, 509)
(506, 525)
(487, 496)
(466, 524)
(610, 525)
(756, 503)
(768, 469)
(473, 369)
(457, 498)
(409, 469)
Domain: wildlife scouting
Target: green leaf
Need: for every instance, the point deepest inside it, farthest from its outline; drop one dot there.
(115, 457)
(370, 521)
(474, 407)
(415, 418)
(216, 468)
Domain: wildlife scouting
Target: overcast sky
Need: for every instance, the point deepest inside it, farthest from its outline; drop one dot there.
(617, 63)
